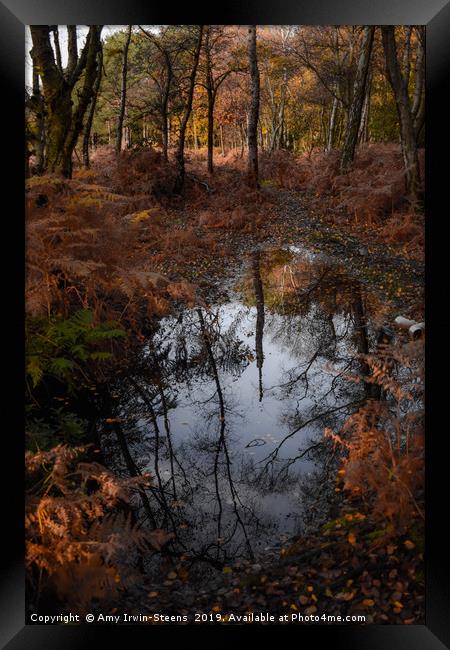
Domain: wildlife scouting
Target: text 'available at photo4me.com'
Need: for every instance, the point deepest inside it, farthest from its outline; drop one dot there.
(197, 617)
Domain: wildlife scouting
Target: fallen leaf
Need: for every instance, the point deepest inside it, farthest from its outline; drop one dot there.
(368, 602)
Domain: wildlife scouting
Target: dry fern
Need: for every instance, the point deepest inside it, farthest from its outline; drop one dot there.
(76, 538)
(384, 440)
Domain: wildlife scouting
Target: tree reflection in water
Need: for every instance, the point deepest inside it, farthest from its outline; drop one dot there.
(226, 407)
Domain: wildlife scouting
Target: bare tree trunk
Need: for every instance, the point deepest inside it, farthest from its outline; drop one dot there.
(359, 88)
(179, 181)
(406, 64)
(123, 92)
(37, 135)
(418, 106)
(252, 136)
(165, 92)
(278, 120)
(210, 163)
(332, 125)
(90, 118)
(84, 98)
(323, 137)
(364, 125)
(221, 140)
(194, 133)
(165, 109)
(280, 142)
(211, 100)
(242, 140)
(407, 132)
(40, 123)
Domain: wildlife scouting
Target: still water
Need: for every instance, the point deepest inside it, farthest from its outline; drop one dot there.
(227, 404)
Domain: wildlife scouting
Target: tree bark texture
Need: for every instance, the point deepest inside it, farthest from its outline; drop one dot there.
(123, 93)
(90, 118)
(252, 129)
(356, 105)
(180, 177)
(400, 90)
(64, 123)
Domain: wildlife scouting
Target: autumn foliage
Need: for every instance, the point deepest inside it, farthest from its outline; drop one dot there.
(383, 442)
(152, 202)
(82, 544)
(371, 194)
(90, 247)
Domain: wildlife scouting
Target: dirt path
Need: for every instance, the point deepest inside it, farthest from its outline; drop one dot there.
(380, 266)
(397, 280)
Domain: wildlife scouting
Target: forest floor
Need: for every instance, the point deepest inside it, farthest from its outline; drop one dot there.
(341, 569)
(344, 568)
(338, 571)
(383, 268)
(219, 219)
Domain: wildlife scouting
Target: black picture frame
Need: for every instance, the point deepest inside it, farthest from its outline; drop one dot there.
(15, 634)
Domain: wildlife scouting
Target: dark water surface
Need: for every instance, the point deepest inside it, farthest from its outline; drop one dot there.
(227, 404)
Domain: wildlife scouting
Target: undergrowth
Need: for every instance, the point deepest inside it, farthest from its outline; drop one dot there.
(369, 199)
(383, 442)
(81, 545)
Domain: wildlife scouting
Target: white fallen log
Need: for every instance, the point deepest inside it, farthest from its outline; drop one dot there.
(404, 323)
(417, 330)
(414, 328)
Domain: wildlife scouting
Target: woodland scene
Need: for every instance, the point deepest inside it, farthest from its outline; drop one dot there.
(225, 321)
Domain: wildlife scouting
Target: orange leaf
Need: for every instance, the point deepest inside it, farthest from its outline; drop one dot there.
(368, 602)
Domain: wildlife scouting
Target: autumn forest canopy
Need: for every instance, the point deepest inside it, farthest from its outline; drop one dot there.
(224, 311)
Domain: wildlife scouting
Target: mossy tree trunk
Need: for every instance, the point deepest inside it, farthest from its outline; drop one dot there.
(64, 123)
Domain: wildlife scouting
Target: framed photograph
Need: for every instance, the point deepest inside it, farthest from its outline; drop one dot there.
(223, 273)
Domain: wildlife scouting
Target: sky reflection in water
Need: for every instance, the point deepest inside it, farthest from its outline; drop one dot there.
(210, 407)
